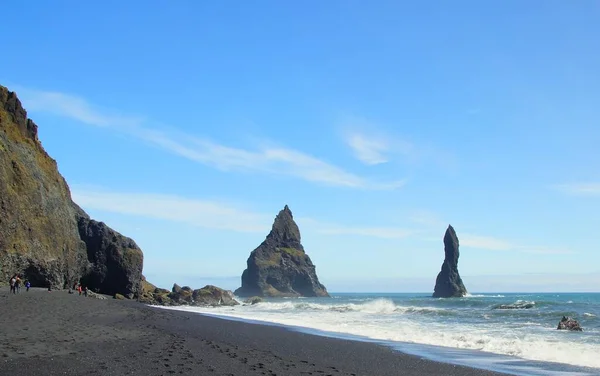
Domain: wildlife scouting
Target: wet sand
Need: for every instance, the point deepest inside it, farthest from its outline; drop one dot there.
(54, 333)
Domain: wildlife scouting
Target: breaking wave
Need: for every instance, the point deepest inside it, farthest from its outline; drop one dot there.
(516, 325)
(519, 304)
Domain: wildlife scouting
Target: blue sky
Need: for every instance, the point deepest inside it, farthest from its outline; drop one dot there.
(188, 126)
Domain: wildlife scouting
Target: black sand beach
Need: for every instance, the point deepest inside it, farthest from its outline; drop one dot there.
(54, 333)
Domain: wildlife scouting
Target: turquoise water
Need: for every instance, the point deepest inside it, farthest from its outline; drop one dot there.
(498, 331)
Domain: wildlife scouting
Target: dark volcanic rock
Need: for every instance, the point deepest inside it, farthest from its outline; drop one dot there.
(207, 296)
(38, 228)
(115, 260)
(516, 305)
(448, 283)
(213, 296)
(44, 236)
(567, 323)
(279, 266)
(253, 300)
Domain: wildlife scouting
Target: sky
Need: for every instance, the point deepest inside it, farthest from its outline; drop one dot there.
(188, 125)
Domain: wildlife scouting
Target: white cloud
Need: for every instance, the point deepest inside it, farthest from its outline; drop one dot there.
(73, 107)
(210, 214)
(496, 244)
(428, 218)
(581, 189)
(368, 231)
(372, 145)
(368, 150)
(271, 160)
(200, 213)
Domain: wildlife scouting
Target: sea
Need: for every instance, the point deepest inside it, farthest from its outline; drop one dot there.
(514, 333)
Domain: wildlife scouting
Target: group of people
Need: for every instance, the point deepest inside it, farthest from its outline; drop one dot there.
(15, 284)
(80, 289)
(16, 281)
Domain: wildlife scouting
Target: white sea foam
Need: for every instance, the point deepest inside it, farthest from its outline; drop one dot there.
(589, 314)
(377, 306)
(483, 296)
(382, 319)
(519, 304)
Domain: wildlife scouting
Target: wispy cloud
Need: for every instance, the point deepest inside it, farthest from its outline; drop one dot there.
(382, 232)
(265, 159)
(496, 244)
(580, 189)
(372, 144)
(200, 213)
(369, 150)
(216, 215)
(427, 218)
(72, 107)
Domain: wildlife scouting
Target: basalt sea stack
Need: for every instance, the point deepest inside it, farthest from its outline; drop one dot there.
(279, 267)
(448, 283)
(44, 236)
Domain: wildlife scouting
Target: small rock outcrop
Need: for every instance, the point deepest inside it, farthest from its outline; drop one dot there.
(44, 236)
(517, 305)
(253, 300)
(93, 295)
(208, 296)
(567, 323)
(448, 283)
(213, 296)
(279, 267)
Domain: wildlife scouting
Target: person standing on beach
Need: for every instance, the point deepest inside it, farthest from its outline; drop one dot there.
(13, 282)
(18, 284)
(27, 285)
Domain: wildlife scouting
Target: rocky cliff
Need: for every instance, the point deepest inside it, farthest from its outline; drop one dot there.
(43, 235)
(279, 267)
(448, 283)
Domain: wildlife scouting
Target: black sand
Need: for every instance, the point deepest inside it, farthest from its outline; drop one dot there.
(54, 333)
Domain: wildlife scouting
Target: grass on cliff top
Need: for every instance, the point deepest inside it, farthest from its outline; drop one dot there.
(10, 128)
(204, 292)
(275, 258)
(13, 134)
(147, 286)
(292, 251)
(132, 257)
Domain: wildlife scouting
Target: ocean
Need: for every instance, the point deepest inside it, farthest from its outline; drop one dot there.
(509, 332)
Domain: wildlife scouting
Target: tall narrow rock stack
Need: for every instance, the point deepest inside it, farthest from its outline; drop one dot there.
(279, 267)
(448, 283)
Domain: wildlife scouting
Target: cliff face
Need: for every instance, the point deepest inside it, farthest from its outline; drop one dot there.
(448, 283)
(279, 266)
(41, 233)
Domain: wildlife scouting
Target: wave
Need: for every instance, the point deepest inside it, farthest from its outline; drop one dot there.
(376, 306)
(483, 296)
(589, 314)
(544, 344)
(519, 304)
